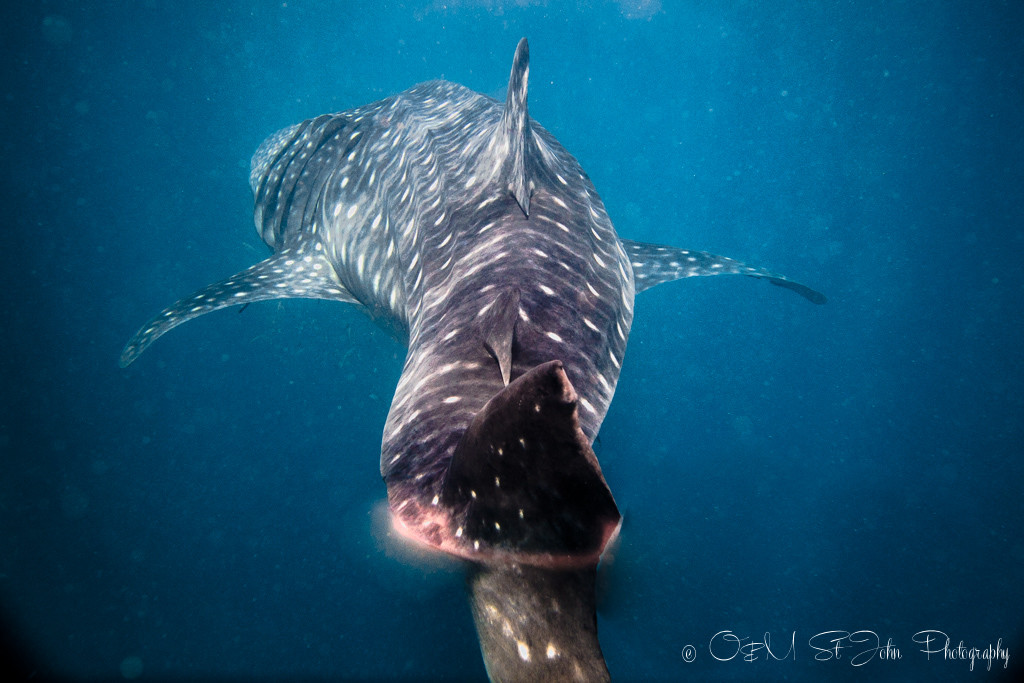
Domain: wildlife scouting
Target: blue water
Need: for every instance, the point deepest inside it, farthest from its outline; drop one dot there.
(212, 512)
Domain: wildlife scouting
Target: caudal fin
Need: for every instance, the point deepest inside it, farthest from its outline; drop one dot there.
(537, 624)
(524, 485)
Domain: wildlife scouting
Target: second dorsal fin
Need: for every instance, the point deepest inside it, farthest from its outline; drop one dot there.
(515, 131)
(499, 325)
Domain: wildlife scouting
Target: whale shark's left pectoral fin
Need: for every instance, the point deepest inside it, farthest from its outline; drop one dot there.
(298, 272)
(655, 263)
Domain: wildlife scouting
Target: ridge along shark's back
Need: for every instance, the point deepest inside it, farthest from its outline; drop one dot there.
(459, 223)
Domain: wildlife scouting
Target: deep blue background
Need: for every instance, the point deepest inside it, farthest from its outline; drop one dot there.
(782, 467)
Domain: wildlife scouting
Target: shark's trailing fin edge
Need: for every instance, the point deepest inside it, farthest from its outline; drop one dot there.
(515, 130)
(524, 482)
(654, 264)
(537, 624)
(301, 271)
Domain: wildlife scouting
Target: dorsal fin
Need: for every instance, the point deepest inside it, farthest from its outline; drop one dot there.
(499, 327)
(515, 130)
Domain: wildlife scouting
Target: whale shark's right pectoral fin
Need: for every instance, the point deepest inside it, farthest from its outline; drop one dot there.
(300, 272)
(654, 264)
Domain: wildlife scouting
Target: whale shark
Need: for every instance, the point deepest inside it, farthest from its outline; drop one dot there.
(462, 226)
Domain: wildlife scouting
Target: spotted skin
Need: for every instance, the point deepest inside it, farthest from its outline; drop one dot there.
(459, 223)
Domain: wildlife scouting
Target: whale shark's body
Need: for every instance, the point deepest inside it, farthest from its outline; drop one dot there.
(461, 225)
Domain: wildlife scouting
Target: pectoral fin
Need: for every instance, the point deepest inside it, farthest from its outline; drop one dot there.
(302, 271)
(654, 264)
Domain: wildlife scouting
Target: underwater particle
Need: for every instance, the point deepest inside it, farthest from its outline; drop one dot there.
(639, 9)
(743, 426)
(131, 667)
(56, 29)
(73, 502)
